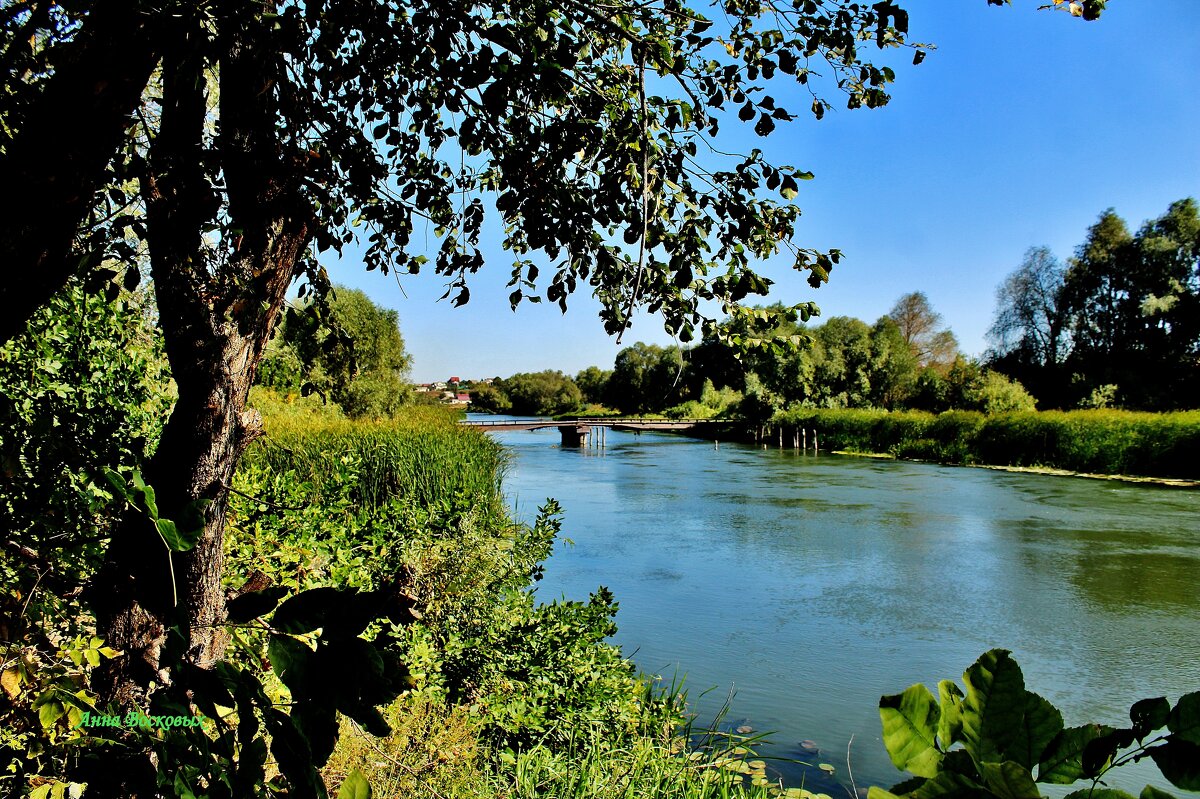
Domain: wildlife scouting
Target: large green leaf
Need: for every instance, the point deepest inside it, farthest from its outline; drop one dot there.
(909, 730)
(1009, 780)
(294, 662)
(1040, 723)
(950, 698)
(1184, 720)
(875, 792)
(994, 707)
(1062, 761)
(355, 786)
(1148, 715)
(1179, 762)
(1099, 793)
(178, 540)
(949, 786)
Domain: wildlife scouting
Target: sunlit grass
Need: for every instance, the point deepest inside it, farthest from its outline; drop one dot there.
(1094, 441)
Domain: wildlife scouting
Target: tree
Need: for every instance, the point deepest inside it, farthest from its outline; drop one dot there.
(593, 383)
(1029, 314)
(1130, 302)
(489, 398)
(918, 324)
(96, 60)
(1094, 290)
(318, 135)
(645, 378)
(353, 353)
(894, 367)
(1029, 335)
(546, 393)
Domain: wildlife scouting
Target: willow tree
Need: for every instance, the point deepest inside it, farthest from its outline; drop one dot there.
(277, 130)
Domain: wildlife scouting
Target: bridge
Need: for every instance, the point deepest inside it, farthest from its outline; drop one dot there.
(575, 432)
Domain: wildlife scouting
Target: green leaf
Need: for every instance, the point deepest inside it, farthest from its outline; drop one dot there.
(117, 482)
(948, 785)
(177, 541)
(1179, 762)
(1099, 793)
(1150, 792)
(1184, 720)
(950, 724)
(1062, 762)
(909, 729)
(1098, 754)
(879, 793)
(1149, 714)
(144, 495)
(1009, 780)
(1041, 723)
(355, 786)
(994, 706)
(292, 660)
(50, 712)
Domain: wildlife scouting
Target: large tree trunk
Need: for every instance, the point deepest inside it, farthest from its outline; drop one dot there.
(217, 310)
(57, 160)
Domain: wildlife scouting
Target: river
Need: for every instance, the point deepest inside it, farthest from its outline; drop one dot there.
(809, 585)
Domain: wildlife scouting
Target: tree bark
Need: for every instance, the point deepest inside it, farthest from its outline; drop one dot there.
(56, 162)
(217, 308)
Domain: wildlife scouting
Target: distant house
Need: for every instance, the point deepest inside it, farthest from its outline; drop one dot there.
(462, 397)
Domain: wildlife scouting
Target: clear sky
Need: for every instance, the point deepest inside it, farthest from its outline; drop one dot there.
(1018, 131)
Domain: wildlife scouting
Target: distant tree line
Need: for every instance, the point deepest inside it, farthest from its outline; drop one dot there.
(906, 359)
(1117, 324)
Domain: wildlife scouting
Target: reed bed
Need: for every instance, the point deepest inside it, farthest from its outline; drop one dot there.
(1093, 441)
(423, 455)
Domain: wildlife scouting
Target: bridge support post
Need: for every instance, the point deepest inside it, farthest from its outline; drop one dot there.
(574, 436)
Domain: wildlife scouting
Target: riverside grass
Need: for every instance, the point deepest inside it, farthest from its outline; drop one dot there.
(1110, 442)
(422, 455)
(437, 749)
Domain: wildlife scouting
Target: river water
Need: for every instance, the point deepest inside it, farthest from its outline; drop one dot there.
(809, 585)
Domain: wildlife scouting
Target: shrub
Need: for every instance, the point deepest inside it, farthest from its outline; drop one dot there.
(1000, 394)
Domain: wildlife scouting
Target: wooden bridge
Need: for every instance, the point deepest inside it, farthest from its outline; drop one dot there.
(575, 432)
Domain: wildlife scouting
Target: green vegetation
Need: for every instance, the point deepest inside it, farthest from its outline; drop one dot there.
(998, 740)
(1117, 325)
(1101, 442)
(348, 351)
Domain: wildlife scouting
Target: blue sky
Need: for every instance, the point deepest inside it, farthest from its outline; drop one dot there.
(1018, 131)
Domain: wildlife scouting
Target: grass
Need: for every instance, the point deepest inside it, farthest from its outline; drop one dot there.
(1099, 441)
(423, 455)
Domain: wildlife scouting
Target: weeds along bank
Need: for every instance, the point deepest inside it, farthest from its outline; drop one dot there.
(1100, 442)
(503, 697)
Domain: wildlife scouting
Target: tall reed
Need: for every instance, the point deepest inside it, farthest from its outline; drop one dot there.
(423, 455)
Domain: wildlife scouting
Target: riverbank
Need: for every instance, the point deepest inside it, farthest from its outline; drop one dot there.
(506, 696)
(1168, 482)
(1108, 444)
